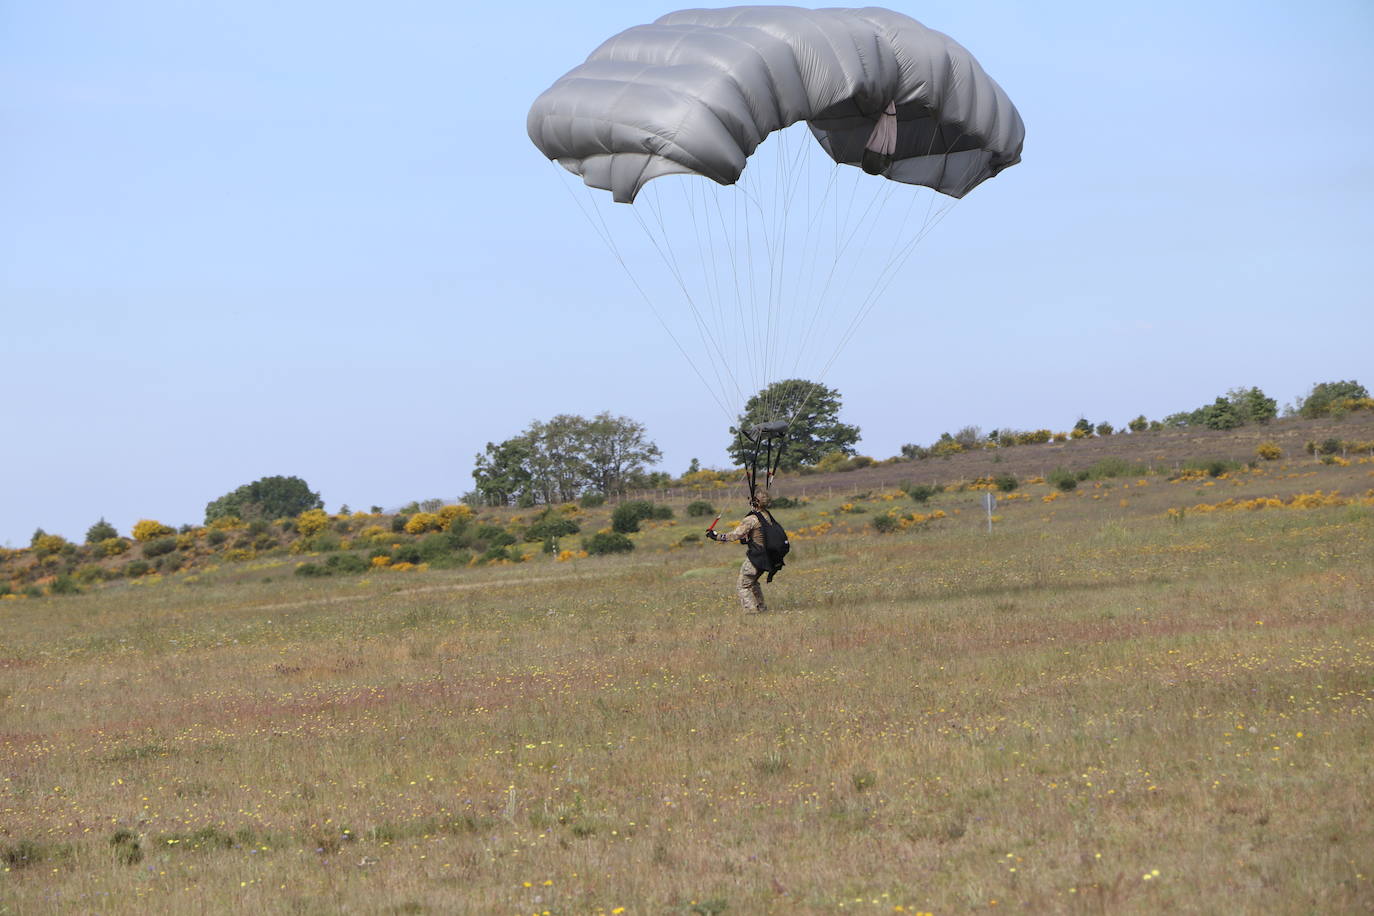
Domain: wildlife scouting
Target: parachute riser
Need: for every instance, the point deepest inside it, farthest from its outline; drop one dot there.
(762, 438)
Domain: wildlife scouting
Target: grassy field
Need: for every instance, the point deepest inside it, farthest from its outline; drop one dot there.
(1102, 706)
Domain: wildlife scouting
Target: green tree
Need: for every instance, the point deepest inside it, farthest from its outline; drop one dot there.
(502, 472)
(100, 531)
(265, 498)
(1139, 424)
(814, 431)
(1253, 405)
(1221, 414)
(561, 459)
(1326, 395)
(614, 451)
(1084, 426)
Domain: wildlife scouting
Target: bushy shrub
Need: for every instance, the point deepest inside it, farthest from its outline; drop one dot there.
(64, 585)
(441, 551)
(1064, 479)
(592, 500)
(497, 554)
(407, 553)
(549, 528)
(494, 536)
(920, 492)
(662, 513)
(421, 522)
(111, 547)
(454, 514)
(1218, 467)
(324, 542)
(1325, 396)
(833, 462)
(136, 568)
(698, 508)
(267, 497)
(608, 542)
(159, 547)
(1139, 424)
(100, 531)
(338, 564)
(627, 516)
(264, 542)
(346, 563)
(312, 521)
(146, 529)
(884, 523)
(216, 536)
(89, 573)
(1006, 482)
(48, 544)
(783, 502)
(398, 524)
(1268, 451)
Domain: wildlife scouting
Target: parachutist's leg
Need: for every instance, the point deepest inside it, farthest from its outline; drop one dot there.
(750, 594)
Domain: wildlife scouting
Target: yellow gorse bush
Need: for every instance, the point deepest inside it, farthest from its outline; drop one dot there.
(421, 522)
(112, 547)
(227, 523)
(1317, 499)
(451, 513)
(49, 543)
(1268, 451)
(146, 529)
(311, 521)
(709, 478)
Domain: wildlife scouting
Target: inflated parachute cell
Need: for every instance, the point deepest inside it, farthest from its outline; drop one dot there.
(697, 91)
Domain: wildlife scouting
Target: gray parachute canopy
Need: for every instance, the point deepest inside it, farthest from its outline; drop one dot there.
(697, 91)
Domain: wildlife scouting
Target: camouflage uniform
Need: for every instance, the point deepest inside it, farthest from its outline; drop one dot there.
(750, 594)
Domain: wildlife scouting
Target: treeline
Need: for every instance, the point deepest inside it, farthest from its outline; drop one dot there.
(564, 459)
(1238, 407)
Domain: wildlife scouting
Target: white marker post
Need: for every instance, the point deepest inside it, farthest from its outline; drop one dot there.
(988, 502)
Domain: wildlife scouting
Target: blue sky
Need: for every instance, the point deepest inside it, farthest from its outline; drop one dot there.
(250, 239)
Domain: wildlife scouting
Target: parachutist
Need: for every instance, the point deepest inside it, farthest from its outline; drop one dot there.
(765, 544)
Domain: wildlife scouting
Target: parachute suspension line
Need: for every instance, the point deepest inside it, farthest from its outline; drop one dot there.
(844, 237)
(777, 264)
(742, 344)
(669, 258)
(710, 274)
(899, 254)
(830, 199)
(788, 179)
(602, 231)
(889, 275)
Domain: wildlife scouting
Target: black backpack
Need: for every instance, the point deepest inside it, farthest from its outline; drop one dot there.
(769, 558)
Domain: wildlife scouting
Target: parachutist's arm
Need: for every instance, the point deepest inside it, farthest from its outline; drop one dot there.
(742, 531)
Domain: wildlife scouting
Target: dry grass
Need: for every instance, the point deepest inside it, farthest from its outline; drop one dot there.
(1096, 708)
